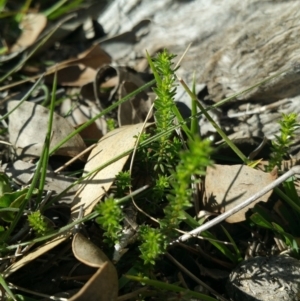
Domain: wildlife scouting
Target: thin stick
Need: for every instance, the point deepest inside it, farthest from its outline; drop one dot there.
(294, 170)
(75, 158)
(183, 55)
(132, 160)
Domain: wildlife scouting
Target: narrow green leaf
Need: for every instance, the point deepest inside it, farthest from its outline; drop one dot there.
(260, 221)
(215, 125)
(290, 190)
(153, 68)
(194, 121)
(170, 287)
(9, 216)
(220, 246)
(45, 155)
(4, 185)
(6, 288)
(237, 251)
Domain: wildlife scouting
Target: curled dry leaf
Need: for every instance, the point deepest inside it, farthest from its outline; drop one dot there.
(136, 109)
(86, 252)
(28, 127)
(107, 83)
(103, 285)
(80, 112)
(81, 70)
(103, 87)
(226, 186)
(113, 144)
(106, 77)
(100, 286)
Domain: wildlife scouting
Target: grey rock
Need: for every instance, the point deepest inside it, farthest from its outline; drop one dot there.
(275, 278)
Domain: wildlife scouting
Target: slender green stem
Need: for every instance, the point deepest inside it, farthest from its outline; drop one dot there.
(24, 98)
(69, 226)
(215, 125)
(35, 179)
(54, 7)
(46, 96)
(170, 287)
(233, 96)
(45, 158)
(194, 122)
(41, 163)
(6, 288)
(287, 199)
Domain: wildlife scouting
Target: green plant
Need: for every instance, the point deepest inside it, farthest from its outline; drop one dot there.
(170, 167)
(123, 182)
(162, 183)
(193, 162)
(171, 161)
(111, 124)
(290, 211)
(282, 142)
(264, 220)
(154, 243)
(38, 223)
(171, 288)
(110, 218)
(166, 148)
(60, 8)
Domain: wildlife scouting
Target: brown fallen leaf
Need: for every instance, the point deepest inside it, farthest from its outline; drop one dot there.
(110, 146)
(75, 19)
(81, 70)
(28, 127)
(228, 185)
(103, 285)
(32, 25)
(100, 286)
(136, 109)
(87, 252)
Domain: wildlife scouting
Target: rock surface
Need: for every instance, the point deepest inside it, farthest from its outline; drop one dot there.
(266, 279)
(235, 45)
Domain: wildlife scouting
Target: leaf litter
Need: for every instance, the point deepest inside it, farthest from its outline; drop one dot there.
(28, 126)
(226, 186)
(98, 78)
